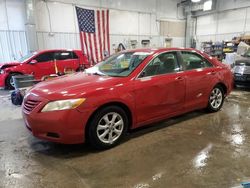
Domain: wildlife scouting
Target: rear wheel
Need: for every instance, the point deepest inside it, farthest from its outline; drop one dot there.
(9, 82)
(216, 99)
(107, 127)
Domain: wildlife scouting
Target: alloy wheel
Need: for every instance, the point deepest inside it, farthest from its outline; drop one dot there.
(12, 82)
(216, 98)
(110, 127)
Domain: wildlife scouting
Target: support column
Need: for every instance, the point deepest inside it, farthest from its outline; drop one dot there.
(189, 36)
(30, 26)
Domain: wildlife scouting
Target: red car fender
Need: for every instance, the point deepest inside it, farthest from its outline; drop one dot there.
(109, 96)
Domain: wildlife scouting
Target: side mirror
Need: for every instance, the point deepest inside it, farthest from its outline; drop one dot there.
(33, 62)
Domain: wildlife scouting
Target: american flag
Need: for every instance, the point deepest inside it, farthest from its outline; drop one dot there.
(94, 33)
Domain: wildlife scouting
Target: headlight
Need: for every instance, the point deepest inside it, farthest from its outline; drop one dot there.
(63, 105)
(1, 71)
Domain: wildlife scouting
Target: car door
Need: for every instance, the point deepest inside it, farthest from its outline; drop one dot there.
(160, 88)
(198, 73)
(44, 65)
(66, 60)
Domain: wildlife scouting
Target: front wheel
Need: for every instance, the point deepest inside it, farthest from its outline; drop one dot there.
(9, 83)
(107, 127)
(216, 99)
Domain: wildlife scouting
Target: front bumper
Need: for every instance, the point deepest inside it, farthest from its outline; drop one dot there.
(242, 79)
(66, 126)
(2, 80)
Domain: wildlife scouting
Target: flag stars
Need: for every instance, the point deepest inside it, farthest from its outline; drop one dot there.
(87, 23)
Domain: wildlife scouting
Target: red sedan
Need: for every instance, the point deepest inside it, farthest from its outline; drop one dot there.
(126, 91)
(42, 63)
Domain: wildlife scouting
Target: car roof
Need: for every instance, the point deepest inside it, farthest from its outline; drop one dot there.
(148, 50)
(53, 50)
(158, 50)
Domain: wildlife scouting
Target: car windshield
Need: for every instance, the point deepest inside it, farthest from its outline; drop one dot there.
(247, 54)
(26, 57)
(121, 64)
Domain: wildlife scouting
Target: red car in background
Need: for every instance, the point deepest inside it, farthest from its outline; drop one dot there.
(126, 91)
(42, 63)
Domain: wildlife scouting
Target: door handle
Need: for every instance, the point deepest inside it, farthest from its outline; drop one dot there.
(212, 73)
(179, 78)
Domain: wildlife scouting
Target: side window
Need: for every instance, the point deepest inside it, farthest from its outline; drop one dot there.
(65, 55)
(162, 64)
(47, 56)
(194, 61)
(74, 56)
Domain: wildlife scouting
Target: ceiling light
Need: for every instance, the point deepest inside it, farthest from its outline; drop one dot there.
(207, 5)
(195, 1)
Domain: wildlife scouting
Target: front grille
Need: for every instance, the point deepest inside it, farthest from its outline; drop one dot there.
(242, 69)
(29, 105)
(247, 70)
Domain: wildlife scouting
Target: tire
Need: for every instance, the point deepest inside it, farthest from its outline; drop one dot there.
(216, 99)
(107, 127)
(80, 69)
(9, 81)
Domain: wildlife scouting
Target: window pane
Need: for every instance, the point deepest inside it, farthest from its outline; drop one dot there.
(73, 55)
(65, 55)
(162, 64)
(194, 61)
(48, 56)
(207, 63)
(122, 64)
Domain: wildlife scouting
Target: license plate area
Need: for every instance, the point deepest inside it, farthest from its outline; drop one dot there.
(241, 77)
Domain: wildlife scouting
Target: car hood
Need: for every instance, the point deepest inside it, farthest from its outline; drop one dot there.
(73, 86)
(243, 61)
(9, 64)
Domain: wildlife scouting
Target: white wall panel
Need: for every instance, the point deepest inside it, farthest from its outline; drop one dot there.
(3, 19)
(13, 45)
(148, 24)
(12, 15)
(62, 17)
(155, 25)
(247, 26)
(206, 25)
(178, 42)
(12, 25)
(42, 16)
(16, 14)
(232, 4)
(138, 5)
(123, 22)
(231, 21)
(144, 24)
(166, 9)
(58, 40)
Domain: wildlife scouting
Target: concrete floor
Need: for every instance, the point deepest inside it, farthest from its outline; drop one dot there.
(193, 150)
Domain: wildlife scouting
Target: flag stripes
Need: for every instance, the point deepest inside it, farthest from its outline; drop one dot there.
(94, 33)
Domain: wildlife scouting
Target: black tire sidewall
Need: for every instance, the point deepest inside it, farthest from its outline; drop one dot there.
(209, 107)
(7, 81)
(92, 135)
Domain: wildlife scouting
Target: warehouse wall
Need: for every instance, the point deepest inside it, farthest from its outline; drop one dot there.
(129, 20)
(12, 30)
(231, 19)
(57, 27)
